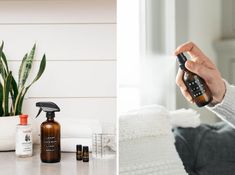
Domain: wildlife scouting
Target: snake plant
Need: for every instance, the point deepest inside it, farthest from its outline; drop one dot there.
(12, 93)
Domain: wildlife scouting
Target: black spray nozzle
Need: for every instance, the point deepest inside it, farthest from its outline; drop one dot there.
(181, 60)
(49, 107)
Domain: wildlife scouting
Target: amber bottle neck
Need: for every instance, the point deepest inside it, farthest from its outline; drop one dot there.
(50, 119)
(50, 116)
(183, 68)
(181, 60)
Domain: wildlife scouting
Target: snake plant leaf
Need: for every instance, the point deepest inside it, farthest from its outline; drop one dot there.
(6, 91)
(4, 65)
(16, 105)
(14, 93)
(20, 104)
(25, 67)
(2, 69)
(39, 74)
(14, 90)
(1, 99)
(21, 70)
(1, 48)
(5, 62)
(41, 70)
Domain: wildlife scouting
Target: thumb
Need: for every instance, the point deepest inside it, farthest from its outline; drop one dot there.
(198, 69)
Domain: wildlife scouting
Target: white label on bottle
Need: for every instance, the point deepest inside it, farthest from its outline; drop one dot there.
(24, 142)
(196, 87)
(50, 144)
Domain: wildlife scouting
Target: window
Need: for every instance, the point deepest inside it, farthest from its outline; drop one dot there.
(128, 54)
(146, 38)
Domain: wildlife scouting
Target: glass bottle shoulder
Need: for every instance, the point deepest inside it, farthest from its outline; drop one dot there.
(50, 123)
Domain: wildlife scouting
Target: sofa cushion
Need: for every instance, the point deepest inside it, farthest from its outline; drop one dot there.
(207, 149)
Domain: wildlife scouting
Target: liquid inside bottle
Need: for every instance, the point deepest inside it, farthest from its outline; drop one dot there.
(85, 154)
(79, 153)
(50, 141)
(24, 143)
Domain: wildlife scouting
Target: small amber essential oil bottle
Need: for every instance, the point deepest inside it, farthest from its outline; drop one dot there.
(196, 86)
(85, 154)
(79, 152)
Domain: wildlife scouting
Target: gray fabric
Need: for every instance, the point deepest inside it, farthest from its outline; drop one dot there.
(207, 149)
(226, 109)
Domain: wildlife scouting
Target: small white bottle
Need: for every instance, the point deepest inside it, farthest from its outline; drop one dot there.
(24, 142)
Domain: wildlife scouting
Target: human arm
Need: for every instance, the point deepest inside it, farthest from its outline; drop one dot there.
(226, 108)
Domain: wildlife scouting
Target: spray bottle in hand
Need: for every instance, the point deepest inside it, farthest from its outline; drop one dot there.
(196, 86)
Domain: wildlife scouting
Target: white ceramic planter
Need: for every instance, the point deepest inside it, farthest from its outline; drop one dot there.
(7, 132)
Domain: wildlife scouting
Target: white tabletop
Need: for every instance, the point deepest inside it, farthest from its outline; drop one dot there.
(12, 165)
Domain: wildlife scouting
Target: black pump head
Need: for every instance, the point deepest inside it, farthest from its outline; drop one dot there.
(49, 107)
(181, 60)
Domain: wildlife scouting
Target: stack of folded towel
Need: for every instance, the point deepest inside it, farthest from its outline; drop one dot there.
(74, 132)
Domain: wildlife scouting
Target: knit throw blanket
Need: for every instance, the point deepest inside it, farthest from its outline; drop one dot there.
(147, 143)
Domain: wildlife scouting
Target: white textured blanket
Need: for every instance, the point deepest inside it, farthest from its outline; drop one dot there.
(147, 143)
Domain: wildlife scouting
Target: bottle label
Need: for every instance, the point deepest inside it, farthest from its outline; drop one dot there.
(196, 87)
(50, 144)
(24, 144)
(79, 155)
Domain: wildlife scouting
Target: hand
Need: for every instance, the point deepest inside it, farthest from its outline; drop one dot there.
(201, 65)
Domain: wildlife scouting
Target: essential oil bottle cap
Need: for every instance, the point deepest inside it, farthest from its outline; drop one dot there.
(181, 59)
(79, 147)
(85, 149)
(23, 119)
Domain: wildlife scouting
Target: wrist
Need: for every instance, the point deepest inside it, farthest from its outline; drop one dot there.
(219, 98)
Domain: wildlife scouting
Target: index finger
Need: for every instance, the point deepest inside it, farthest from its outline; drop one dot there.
(191, 48)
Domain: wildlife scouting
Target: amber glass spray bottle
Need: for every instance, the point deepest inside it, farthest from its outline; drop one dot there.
(50, 133)
(196, 86)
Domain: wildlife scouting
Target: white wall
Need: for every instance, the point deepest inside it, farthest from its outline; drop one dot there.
(204, 27)
(205, 24)
(79, 39)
